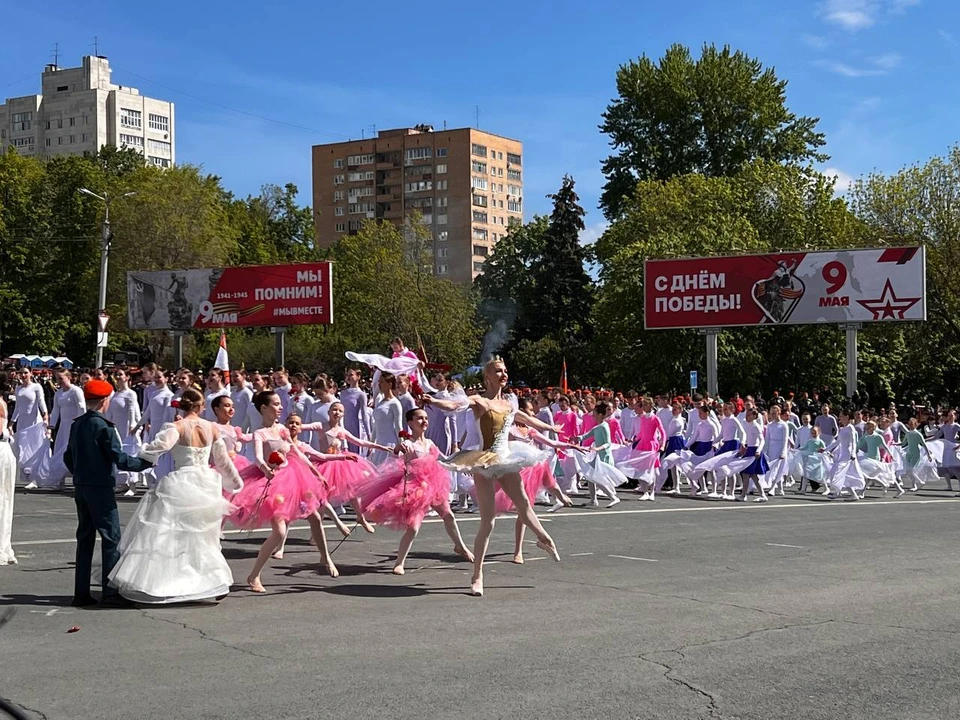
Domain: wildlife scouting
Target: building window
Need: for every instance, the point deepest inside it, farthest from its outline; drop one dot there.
(442, 201)
(341, 227)
(360, 160)
(479, 216)
(441, 152)
(22, 121)
(337, 195)
(514, 159)
(158, 146)
(62, 88)
(48, 142)
(415, 154)
(360, 176)
(443, 252)
(515, 190)
(480, 200)
(338, 211)
(442, 220)
(427, 219)
(514, 206)
(131, 140)
(73, 139)
(441, 269)
(338, 164)
(514, 221)
(442, 236)
(338, 179)
(131, 118)
(478, 150)
(59, 141)
(360, 208)
(22, 142)
(73, 122)
(479, 167)
(514, 175)
(159, 122)
(83, 137)
(478, 183)
(418, 186)
(360, 192)
(479, 234)
(441, 184)
(159, 162)
(441, 168)
(477, 266)
(412, 170)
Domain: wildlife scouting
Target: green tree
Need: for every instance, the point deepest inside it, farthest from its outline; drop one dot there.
(709, 116)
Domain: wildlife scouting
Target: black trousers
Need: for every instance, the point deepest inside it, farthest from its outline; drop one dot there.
(96, 513)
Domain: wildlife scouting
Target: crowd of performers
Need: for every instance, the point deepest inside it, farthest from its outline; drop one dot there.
(266, 453)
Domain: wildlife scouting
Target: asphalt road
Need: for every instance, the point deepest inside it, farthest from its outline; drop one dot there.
(801, 608)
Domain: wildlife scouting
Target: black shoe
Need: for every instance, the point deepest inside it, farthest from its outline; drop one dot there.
(83, 601)
(116, 601)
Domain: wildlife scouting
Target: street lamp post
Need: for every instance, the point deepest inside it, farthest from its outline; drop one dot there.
(105, 240)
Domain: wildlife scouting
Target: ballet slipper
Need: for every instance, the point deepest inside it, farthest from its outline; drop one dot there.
(464, 553)
(367, 526)
(550, 549)
(518, 559)
(398, 570)
(278, 555)
(476, 587)
(255, 585)
(344, 530)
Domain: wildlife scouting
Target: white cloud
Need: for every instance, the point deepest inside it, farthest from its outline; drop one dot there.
(880, 65)
(817, 42)
(591, 233)
(856, 15)
(843, 180)
(887, 61)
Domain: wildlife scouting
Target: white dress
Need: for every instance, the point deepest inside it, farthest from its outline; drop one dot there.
(124, 412)
(845, 471)
(170, 549)
(387, 423)
(68, 405)
(8, 479)
(33, 445)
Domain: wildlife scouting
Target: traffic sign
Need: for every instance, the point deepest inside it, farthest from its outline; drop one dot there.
(693, 379)
(102, 320)
(102, 339)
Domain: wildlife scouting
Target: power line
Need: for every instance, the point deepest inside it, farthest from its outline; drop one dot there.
(233, 110)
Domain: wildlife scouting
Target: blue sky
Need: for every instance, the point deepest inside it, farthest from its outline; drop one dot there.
(879, 73)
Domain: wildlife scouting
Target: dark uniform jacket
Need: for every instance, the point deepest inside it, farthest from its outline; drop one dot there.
(94, 449)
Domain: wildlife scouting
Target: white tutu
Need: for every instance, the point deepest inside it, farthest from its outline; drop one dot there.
(491, 464)
(600, 473)
(170, 549)
(33, 452)
(845, 474)
(8, 480)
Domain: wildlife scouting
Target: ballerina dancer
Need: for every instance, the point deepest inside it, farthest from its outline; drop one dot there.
(233, 437)
(170, 550)
(409, 487)
(812, 454)
(776, 448)
(30, 419)
(536, 478)
(752, 466)
(846, 472)
(281, 487)
(68, 405)
(242, 397)
(354, 402)
(498, 461)
(215, 388)
(701, 439)
(671, 456)
(651, 441)
(918, 461)
(875, 468)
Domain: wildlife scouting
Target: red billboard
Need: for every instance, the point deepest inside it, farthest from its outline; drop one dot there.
(835, 286)
(248, 296)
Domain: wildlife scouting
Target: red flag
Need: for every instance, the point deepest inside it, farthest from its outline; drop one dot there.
(563, 378)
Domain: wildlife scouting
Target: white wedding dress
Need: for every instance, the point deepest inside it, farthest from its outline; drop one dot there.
(8, 478)
(170, 549)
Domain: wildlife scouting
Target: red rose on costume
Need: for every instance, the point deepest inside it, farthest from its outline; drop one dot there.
(175, 404)
(404, 435)
(276, 459)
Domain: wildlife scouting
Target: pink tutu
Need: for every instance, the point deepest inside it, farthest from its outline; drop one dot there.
(292, 494)
(345, 477)
(241, 464)
(404, 491)
(534, 479)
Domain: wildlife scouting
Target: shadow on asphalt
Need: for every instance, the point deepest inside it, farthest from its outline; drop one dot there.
(44, 600)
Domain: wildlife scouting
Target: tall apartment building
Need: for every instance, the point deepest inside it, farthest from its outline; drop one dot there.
(467, 185)
(80, 110)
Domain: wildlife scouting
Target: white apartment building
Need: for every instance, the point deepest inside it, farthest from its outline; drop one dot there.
(80, 110)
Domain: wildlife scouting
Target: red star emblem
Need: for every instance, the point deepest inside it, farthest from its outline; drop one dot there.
(888, 306)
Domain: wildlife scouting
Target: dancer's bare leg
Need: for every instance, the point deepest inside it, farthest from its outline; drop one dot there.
(404, 548)
(453, 531)
(513, 487)
(518, 532)
(364, 523)
(485, 491)
(316, 528)
(332, 514)
(273, 539)
(278, 554)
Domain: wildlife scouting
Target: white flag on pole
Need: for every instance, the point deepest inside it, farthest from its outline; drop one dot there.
(223, 361)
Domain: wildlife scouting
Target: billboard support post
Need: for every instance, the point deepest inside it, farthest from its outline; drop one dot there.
(851, 330)
(280, 333)
(177, 349)
(711, 334)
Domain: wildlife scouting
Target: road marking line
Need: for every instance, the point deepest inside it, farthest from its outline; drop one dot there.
(765, 507)
(627, 557)
(580, 554)
(799, 547)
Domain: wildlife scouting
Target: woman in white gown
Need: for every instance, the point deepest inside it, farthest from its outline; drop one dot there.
(170, 549)
(8, 478)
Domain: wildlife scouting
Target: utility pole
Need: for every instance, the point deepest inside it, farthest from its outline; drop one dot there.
(106, 238)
